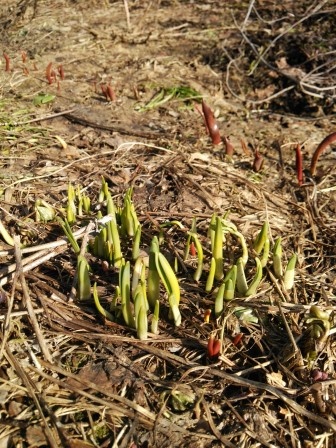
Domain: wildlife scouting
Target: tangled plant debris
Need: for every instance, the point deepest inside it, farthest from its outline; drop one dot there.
(156, 288)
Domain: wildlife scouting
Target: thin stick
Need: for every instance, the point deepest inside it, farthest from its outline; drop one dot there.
(46, 117)
(248, 13)
(41, 255)
(15, 363)
(212, 425)
(28, 303)
(128, 18)
(6, 327)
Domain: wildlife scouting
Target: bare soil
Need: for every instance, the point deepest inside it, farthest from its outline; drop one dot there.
(69, 378)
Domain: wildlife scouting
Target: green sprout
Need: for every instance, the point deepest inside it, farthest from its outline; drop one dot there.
(129, 220)
(230, 283)
(277, 254)
(71, 206)
(5, 235)
(137, 273)
(125, 293)
(231, 228)
(83, 286)
(155, 318)
(211, 275)
(217, 251)
(256, 279)
(153, 279)
(171, 285)
(219, 301)
(86, 203)
(142, 324)
(241, 282)
(245, 315)
(289, 275)
(113, 237)
(261, 239)
(101, 310)
(103, 192)
(262, 243)
(140, 312)
(319, 323)
(136, 243)
(110, 205)
(68, 232)
(180, 93)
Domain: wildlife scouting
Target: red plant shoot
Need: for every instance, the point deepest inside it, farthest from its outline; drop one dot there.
(211, 124)
(258, 161)
(193, 249)
(299, 170)
(214, 346)
(245, 148)
(237, 339)
(5, 55)
(229, 149)
(110, 93)
(24, 56)
(104, 91)
(48, 73)
(61, 71)
(53, 75)
(321, 147)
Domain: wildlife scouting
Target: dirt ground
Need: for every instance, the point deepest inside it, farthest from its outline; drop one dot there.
(70, 378)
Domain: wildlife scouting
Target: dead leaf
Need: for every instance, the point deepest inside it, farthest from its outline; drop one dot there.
(35, 436)
(275, 379)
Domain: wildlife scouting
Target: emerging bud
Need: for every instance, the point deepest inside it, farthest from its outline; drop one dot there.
(214, 347)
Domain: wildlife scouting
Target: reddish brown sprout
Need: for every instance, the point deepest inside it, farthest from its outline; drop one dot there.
(7, 68)
(258, 161)
(229, 149)
(103, 89)
(213, 349)
(48, 73)
(193, 249)
(61, 71)
(237, 339)
(110, 93)
(321, 147)
(245, 148)
(211, 124)
(23, 56)
(299, 170)
(53, 75)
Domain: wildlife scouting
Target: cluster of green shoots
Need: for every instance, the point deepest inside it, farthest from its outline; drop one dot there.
(137, 295)
(233, 283)
(138, 290)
